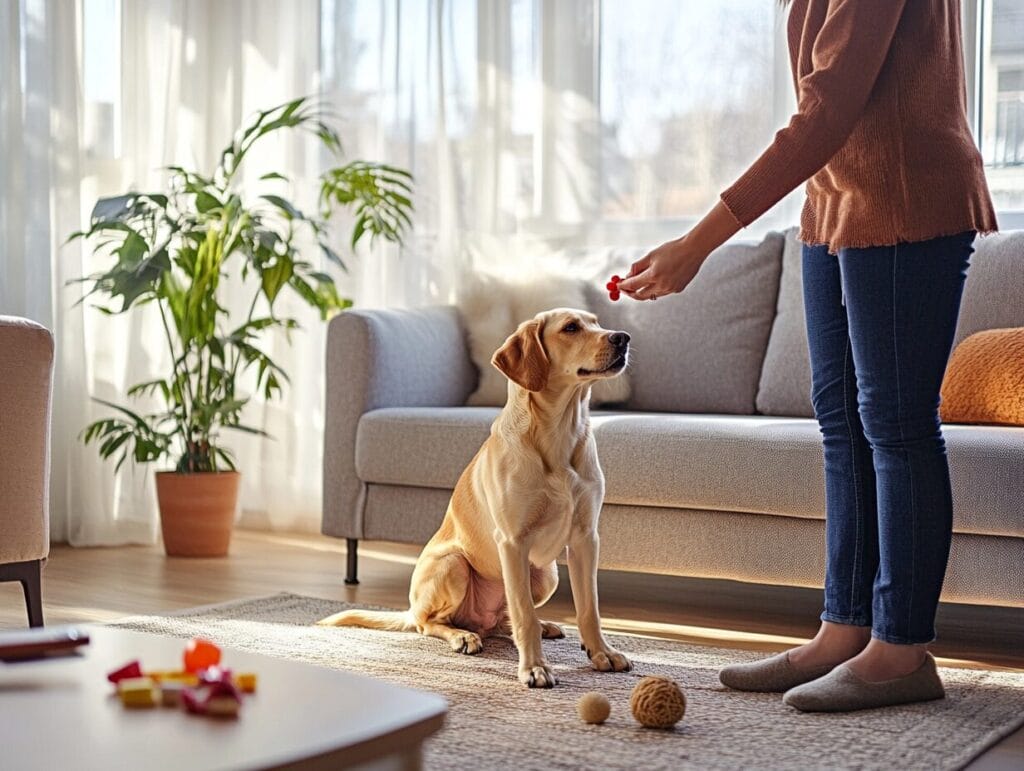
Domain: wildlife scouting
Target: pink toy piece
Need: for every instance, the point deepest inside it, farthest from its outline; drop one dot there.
(129, 670)
(220, 699)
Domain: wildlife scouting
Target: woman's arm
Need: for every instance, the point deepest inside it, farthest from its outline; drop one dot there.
(848, 54)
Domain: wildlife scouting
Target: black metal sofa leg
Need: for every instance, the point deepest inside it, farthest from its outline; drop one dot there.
(352, 551)
(29, 575)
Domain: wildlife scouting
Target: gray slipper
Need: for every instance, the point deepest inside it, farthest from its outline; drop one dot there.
(842, 691)
(772, 675)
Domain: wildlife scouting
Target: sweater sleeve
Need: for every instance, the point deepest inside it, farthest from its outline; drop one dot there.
(849, 51)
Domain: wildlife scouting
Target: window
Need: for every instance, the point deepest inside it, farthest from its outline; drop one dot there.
(1000, 83)
(101, 77)
(686, 101)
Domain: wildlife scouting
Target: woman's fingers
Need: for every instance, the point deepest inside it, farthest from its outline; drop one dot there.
(636, 281)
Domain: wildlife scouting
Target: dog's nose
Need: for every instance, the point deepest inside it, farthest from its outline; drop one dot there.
(618, 339)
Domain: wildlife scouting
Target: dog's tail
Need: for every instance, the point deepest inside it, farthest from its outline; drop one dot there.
(388, 620)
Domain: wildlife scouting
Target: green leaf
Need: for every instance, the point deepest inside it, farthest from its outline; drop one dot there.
(113, 208)
(274, 175)
(276, 276)
(285, 206)
(206, 202)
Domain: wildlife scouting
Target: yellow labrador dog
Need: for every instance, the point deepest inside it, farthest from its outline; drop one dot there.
(534, 489)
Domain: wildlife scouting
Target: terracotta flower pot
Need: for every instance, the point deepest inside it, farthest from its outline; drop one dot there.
(197, 512)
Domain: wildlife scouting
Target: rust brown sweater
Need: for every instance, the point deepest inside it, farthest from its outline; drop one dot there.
(880, 134)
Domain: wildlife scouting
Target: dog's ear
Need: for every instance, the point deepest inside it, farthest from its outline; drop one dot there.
(522, 358)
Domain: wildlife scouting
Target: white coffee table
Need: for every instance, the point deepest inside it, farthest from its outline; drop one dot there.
(61, 714)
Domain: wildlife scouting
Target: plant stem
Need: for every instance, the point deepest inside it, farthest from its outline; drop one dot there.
(170, 345)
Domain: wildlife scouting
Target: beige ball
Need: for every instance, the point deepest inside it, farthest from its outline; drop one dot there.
(657, 702)
(593, 707)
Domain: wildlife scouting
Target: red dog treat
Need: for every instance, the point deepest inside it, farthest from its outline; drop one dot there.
(613, 288)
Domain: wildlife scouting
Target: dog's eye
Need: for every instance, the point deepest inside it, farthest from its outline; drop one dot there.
(571, 327)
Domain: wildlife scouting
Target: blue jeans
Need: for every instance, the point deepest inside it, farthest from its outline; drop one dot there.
(880, 326)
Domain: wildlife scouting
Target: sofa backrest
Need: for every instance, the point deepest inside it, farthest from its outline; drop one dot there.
(700, 351)
(993, 299)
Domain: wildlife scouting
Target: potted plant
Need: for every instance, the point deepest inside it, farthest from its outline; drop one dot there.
(173, 250)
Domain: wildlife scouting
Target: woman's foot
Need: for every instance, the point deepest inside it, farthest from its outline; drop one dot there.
(886, 661)
(834, 644)
(842, 690)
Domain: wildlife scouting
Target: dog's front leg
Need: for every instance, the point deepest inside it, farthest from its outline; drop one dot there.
(583, 551)
(534, 671)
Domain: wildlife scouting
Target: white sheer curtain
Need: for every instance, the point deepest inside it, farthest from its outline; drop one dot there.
(170, 80)
(533, 125)
(530, 125)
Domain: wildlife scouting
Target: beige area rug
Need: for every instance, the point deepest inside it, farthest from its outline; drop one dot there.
(494, 722)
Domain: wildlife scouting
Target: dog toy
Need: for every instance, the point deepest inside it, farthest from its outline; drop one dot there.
(219, 699)
(613, 288)
(593, 707)
(246, 682)
(138, 692)
(201, 654)
(132, 669)
(205, 688)
(657, 702)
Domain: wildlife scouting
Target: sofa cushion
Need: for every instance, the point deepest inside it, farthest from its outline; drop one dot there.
(750, 464)
(995, 285)
(992, 300)
(785, 387)
(701, 350)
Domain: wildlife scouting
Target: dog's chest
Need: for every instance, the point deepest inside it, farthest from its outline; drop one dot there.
(561, 499)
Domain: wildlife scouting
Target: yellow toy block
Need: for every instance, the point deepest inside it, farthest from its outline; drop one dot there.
(174, 676)
(246, 681)
(138, 692)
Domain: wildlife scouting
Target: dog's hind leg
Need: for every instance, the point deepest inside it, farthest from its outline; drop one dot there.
(439, 587)
(543, 583)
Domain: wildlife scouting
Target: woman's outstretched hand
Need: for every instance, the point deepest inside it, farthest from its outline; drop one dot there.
(672, 266)
(666, 270)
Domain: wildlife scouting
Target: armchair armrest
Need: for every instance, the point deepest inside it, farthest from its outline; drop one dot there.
(383, 358)
(26, 361)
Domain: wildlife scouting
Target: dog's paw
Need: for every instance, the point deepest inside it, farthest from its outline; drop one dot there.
(537, 677)
(550, 631)
(467, 642)
(609, 660)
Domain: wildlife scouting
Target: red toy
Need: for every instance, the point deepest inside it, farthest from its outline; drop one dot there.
(130, 670)
(201, 654)
(613, 288)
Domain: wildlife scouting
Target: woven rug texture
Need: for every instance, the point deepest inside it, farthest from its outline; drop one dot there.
(496, 723)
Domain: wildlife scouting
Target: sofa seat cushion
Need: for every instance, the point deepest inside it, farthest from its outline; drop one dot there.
(754, 464)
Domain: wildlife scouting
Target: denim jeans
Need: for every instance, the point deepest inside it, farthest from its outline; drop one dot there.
(880, 326)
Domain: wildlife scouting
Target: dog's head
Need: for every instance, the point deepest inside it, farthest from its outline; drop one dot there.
(561, 348)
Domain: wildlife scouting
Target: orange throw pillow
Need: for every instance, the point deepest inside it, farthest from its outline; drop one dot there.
(985, 379)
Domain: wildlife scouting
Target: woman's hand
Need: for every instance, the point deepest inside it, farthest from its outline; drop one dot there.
(671, 267)
(666, 270)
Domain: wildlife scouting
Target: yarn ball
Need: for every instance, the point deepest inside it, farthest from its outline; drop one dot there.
(593, 707)
(657, 702)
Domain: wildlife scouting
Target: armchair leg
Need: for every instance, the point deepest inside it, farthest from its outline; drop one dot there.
(352, 555)
(29, 575)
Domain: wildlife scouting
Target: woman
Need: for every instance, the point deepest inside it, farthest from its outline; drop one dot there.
(895, 196)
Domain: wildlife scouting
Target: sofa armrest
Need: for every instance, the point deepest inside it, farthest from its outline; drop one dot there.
(26, 361)
(383, 358)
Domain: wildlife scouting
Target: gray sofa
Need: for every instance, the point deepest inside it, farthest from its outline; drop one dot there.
(713, 467)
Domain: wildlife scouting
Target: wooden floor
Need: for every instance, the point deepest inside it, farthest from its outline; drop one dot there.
(104, 584)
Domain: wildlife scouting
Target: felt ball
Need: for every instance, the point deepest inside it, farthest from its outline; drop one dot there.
(593, 707)
(614, 296)
(657, 702)
(611, 286)
(616, 279)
